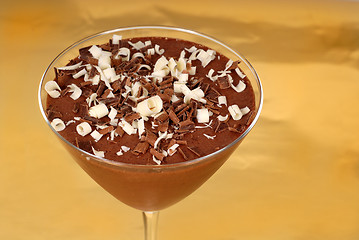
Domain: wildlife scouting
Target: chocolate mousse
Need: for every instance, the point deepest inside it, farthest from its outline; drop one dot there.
(150, 101)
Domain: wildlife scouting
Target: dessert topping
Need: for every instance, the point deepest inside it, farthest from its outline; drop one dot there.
(58, 124)
(116, 39)
(83, 128)
(222, 118)
(96, 135)
(76, 91)
(124, 89)
(202, 115)
(98, 153)
(150, 106)
(222, 100)
(98, 111)
(53, 89)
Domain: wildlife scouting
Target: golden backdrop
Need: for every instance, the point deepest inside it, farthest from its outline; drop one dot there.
(296, 176)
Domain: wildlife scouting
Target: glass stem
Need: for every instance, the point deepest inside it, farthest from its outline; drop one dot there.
(150, 220)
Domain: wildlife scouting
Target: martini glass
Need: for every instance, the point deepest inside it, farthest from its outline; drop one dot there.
(151, 188)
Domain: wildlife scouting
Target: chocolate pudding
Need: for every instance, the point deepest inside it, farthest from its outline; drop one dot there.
(155, 104)
(150, 100)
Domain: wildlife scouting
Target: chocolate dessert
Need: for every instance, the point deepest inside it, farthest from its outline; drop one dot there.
(150, 101)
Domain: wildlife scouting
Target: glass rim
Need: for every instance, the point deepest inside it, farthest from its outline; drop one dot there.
(171, 165)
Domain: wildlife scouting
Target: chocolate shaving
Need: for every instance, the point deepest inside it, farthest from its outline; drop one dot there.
(186, 126)
(119, 131)
(101, 88)
(86, 92)
(131, 102)
(223, 82)
(166, 80)
(148, 86)
(234, 65)
(179, 114)
(106, 93)
(164, 97)
(165, 86)
(83, 110)
(213, 95)
(194, 150)
(150, 138)
(110, 101)
(140, 148)
(132, 116)
(196, 83)
(91, 120)
(180, 107)
(213, 109)
(106, 130)
(115, 62)
(87, 83)
(84, 145)
(51, 114)
(86, 56)
(142, 99)
(163, 117)
(157, 154)
(182, 153)
(173, 117)
(106, 47)
(168, 91)
(93, 72)
(140, 92)
(117, 85)
(163, 126)
(221, 127)
(125, 109)
(65, 91)
(205, 87)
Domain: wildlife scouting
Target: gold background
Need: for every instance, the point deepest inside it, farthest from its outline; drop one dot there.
(296, 176)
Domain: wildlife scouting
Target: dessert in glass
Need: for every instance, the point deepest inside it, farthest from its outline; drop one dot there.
(150, 112)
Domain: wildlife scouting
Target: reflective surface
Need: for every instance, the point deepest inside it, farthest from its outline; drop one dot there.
(296, 176)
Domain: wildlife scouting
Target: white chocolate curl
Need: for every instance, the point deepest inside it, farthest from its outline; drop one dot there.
(222, 118)
(83, 128)
(71, 67)
(98, 153)
(98, 111)
(96, 135)
(76, 91)
(116, 39)
(240, 74)
(245, 110)
(202, 115)
(172, 149)
(222, 100)
(79, 74)
(58, 124)
(95, 51)
(240, 87)
(52, 89)
(128, 128)
(150, 106)
(235, 112)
